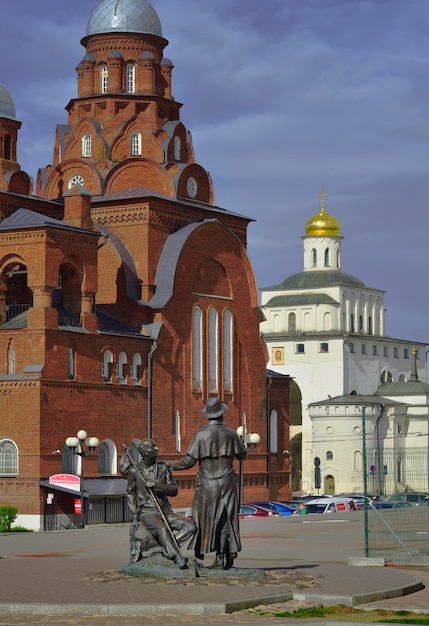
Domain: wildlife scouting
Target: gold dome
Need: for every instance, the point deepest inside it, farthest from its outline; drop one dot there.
(322, 223)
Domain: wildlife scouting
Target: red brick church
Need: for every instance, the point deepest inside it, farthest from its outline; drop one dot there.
(127, 297)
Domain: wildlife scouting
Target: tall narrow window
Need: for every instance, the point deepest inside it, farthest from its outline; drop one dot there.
(360, 324)
(69, 461)
(327, 257)
(120, 368)
(352, 323)
(104, 75)
(314, 258)
(369, 325)
(86, 145)
(70, 364)
(213, 350)
(107, 358)
(292, 321)
(136, 144)
(11, 361)
(107, 457)
(177, 149)
(8, 458)
(197, 348)
(274, 435)
(227, 350)
(131, 78)
(134, 369)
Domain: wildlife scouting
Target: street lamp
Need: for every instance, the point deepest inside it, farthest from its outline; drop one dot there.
(76, 446)
(250, 441)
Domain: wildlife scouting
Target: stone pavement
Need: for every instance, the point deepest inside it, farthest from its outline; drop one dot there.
(73, 577)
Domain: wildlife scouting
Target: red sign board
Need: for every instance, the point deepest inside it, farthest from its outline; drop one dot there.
(78, 506)
(70, 481)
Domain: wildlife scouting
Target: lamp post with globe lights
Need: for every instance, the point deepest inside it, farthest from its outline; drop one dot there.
(250, 440)
(77, 445)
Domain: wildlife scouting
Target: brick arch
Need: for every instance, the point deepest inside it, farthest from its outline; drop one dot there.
(151, 148)
(58, 179)
(139, 172)
(205, 187)
(211, 278)
(73, 147)
(20, 182)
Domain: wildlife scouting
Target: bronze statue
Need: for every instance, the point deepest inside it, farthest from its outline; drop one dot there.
(215, 505)
(150, 482)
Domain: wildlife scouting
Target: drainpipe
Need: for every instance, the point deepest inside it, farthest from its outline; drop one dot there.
(152, 331)
(268, 435)
(379, 457)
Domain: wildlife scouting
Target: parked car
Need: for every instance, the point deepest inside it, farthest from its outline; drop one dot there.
(251, 511)
(425, 502)
(330, 504)
(391, 504)
(275, 507)
(413, 497)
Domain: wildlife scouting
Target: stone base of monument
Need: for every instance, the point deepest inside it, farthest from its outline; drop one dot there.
(158, 566)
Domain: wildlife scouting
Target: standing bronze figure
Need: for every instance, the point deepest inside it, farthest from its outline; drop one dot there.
(154, 523)
(215, 504)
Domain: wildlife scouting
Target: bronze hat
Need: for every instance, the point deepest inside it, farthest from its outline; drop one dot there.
(214, 408)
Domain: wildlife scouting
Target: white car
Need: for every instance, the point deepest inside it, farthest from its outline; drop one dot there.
(328, 505)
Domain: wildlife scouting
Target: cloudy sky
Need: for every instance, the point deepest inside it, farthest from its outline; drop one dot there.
(281, 97)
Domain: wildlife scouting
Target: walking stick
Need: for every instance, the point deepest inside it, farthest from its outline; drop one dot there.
(156, 501)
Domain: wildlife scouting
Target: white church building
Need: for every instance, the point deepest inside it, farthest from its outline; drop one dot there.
(326, 329)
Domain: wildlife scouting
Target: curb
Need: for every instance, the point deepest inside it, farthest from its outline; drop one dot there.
(208, 608)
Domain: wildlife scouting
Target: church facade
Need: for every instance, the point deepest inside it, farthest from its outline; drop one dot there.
(127, 297)
(327, 330)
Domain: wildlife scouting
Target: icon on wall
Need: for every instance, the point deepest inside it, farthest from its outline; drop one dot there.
(278, 356)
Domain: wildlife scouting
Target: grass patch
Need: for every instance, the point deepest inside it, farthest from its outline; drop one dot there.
(16, 529)
(342, 612)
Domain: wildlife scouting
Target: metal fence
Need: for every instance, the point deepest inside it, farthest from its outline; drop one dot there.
(399, 535)
(395, 471)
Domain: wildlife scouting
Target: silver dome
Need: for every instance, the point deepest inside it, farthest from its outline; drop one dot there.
(7, 105)
(119, 16)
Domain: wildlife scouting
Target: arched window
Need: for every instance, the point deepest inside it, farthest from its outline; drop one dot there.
(107, 457)
(197, 349)
(71, 363)
(177, 149)
(122, 360)
(8, 458)
(314, 258)
(136, 144)
(291, 321)
(104, 77)
(274, 435)
(131, 78)
(327, 257)
(357, 461)
(76, 179)
(107, 358)
(329, 456)
(213, 350)
(11, 361)
(7, 147)
(134, 370)
(70, 461)
(86, 145)
(227, 351)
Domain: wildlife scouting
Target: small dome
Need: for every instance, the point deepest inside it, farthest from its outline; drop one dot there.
(7, 105)
(322, 223)
(167, 61)
(119, 16)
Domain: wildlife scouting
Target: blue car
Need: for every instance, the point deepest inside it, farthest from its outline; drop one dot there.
(275, 507)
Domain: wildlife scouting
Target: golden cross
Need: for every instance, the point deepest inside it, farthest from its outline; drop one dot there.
(322, 195)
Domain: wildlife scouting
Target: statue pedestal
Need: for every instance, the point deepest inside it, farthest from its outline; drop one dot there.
(158, 566)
